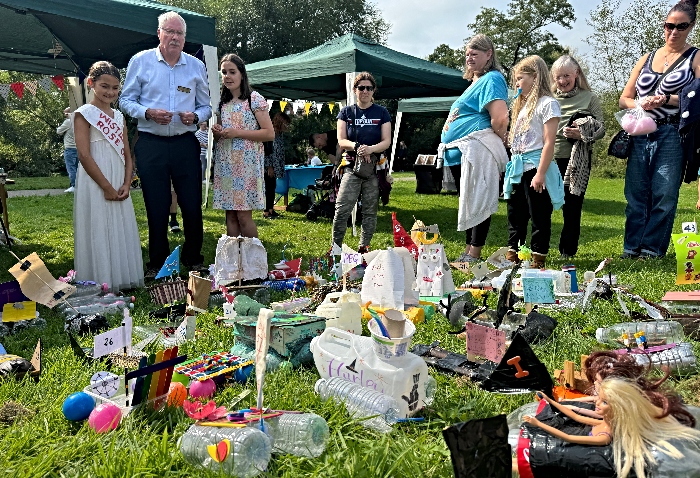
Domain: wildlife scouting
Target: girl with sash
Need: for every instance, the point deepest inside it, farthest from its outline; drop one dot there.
(107, 246)
(532, 185)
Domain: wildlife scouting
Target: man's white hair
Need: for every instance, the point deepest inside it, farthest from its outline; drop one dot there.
(169, 16)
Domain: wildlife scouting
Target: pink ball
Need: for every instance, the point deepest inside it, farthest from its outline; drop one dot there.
(203, 389)
(105, 417)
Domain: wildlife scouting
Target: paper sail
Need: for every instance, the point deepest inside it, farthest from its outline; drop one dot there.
(37, 283)
(479, 447)
(171, 266)
(262, 342)
(383, 283)
(520, 371)
(401, 237)
(349, 259)
(687, 247)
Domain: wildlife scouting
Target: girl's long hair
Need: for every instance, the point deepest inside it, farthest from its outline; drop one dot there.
(279, 121)
(537, 68)
(636, 427)
(246, 90)
(566, 62)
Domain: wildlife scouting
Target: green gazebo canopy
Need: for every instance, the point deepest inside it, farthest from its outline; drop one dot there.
(427, 105)
(88, 31)
(319, 74)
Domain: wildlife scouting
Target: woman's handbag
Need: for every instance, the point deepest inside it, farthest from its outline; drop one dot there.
(620, 145)
(361, 168)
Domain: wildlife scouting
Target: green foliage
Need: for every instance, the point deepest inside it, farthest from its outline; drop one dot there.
(145, 444)
(29, 145)
(444, 55)
(520, 31)
(264, 29)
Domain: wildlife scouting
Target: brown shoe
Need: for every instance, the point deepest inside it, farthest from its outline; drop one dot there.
(538, 260)
(512, 256)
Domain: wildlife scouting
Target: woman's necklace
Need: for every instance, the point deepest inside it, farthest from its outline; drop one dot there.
(666, 63)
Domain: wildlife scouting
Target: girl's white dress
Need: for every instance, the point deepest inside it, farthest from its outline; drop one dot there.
(107, 246)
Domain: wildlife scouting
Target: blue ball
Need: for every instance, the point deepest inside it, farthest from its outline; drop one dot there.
(77, 406)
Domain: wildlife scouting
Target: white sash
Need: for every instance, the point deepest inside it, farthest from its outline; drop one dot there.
(110, 128)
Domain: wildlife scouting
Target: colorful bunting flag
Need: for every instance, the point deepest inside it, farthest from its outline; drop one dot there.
(31, 86)
(330, 106)
(58, 81)
(307, 107)
(45, 83)
(319, 107)
(283, 105)
(4, 91)
(18, 88)
(269, 104)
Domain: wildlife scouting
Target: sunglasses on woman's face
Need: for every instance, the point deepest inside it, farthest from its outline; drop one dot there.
(363, 88)
(680, 26)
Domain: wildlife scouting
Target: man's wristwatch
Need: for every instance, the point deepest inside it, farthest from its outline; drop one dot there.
(196, 119)
(148, 118)
(357, 145)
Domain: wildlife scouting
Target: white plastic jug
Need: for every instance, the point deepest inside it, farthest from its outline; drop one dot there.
(338, 353)
(343, 311)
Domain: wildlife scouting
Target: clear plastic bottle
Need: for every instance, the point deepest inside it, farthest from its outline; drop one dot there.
(106, 299)
(430, 389)
(249, 454)
(102, 309)
(659, 332)
(300, 434)
(361, 402)
(88, 288)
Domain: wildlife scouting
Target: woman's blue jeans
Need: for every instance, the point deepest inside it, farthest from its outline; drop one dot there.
(652, 182)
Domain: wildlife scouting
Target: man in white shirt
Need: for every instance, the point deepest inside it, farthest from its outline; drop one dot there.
(70, 153)
(311, 158)
(167, 91)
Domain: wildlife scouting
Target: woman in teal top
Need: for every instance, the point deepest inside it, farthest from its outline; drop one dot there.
(481, 106)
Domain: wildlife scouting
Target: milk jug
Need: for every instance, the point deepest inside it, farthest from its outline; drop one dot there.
(338, 353)
(343, 311)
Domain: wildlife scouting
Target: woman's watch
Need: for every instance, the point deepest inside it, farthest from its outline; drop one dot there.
(668, 98)
(357, 146)
(196, 119)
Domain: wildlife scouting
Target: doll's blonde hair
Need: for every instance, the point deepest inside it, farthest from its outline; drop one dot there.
(636, 428)
(537, 68)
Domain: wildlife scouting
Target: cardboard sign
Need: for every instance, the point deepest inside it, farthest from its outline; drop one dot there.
(689, 227)
(485, 342)
(498, 259)
(480, 270)
(687, 247)
(538, 290)
(461, 266)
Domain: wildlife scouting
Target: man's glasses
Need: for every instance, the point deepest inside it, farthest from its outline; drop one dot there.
(680, 26)
(178, 33)
(363, 88)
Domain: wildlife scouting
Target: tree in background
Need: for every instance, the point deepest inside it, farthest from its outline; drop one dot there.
(451, 58)
(520, 31)
(259, 30)
(29, 145)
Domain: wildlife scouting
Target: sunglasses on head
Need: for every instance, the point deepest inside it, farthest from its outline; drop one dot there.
(680, 26)
(363, 88)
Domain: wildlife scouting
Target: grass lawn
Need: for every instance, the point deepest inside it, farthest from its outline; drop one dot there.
(47, 182)
(145, 445)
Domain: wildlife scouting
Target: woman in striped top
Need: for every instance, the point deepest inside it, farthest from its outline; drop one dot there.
(655, 164)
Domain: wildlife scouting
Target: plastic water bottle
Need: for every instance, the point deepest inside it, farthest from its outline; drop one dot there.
(659, 332)
(430, 389)
(300, 434)
(361, 402)
(88, 288)
(248, 456)
(106, 299)
(99, 308)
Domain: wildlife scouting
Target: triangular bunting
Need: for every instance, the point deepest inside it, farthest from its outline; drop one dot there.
(283, 105)
(269, 104)
(18, 88)
(172, 264)
(330, 106)
(307, 107)
(4, 91)
(319, 107)
(31, 86)
(58, 81)
(45, 83)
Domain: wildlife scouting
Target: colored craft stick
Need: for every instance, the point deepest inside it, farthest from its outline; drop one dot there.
(163, 373)
(169, 373)
(146, 383)
(155, 377)
(136, 399)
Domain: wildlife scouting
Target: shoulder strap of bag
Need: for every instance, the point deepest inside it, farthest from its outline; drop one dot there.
(673, 66)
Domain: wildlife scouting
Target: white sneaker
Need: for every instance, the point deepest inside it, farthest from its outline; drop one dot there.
(70, 190)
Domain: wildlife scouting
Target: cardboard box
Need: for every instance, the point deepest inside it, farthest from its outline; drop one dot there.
(288, 332)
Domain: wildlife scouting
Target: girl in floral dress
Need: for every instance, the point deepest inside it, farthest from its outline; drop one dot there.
(243, 125)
